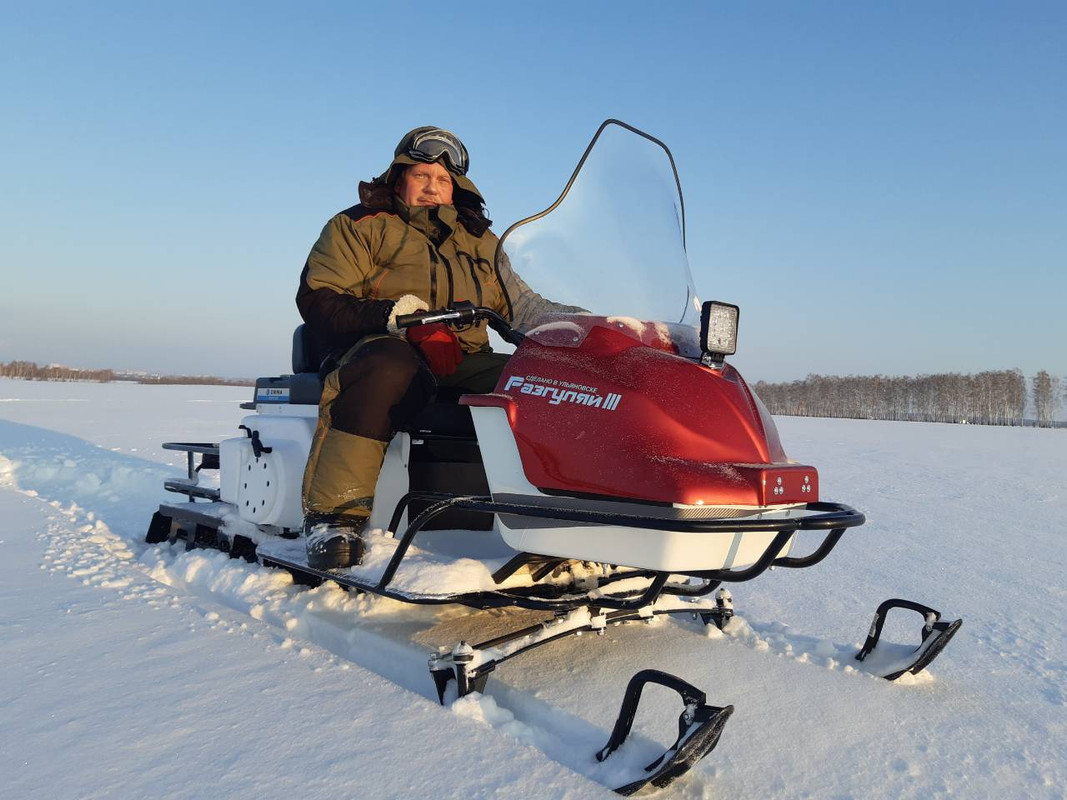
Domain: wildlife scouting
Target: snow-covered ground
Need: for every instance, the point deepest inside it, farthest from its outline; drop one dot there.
(132, 671)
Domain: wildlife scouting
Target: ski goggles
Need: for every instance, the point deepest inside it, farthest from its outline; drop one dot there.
(439, 144)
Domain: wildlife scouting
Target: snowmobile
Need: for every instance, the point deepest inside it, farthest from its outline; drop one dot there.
(621, 469)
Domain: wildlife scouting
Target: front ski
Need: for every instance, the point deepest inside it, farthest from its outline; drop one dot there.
(699, 729)
(467, 668)
(890, 662)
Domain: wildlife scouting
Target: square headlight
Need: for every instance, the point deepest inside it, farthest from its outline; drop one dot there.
(718, 330)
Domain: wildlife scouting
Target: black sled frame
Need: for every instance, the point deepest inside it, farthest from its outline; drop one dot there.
(193, 522)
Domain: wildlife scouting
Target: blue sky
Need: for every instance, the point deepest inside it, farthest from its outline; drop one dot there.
(882, 188)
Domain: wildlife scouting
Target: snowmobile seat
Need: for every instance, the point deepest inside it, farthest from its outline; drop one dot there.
(308, 355)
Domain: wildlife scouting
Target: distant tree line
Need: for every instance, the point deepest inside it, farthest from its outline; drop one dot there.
(987, 398)
(198, 380)
(28, 370)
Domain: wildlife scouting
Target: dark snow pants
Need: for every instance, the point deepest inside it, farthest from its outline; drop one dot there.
(380, 386)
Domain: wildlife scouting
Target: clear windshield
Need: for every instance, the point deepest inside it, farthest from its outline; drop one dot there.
(615, 243)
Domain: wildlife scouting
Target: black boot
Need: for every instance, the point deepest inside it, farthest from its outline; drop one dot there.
(333, 541)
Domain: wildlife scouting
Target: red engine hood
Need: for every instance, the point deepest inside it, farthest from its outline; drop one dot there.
(620, 415)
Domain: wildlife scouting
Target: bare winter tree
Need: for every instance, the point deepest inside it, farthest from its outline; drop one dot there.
(1041, 386)
(1046, 394)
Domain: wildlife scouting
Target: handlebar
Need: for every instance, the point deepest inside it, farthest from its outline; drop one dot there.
(462, 312)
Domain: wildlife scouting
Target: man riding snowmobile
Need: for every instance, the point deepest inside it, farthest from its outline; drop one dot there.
(418, 239)
(618, 470)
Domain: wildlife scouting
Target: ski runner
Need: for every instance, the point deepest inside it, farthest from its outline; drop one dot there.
(419, 239)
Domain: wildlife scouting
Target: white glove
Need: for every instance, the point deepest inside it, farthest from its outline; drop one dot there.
(408, 304)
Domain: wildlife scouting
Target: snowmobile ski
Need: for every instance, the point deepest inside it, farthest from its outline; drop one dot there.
(892, 663)
(699, 728)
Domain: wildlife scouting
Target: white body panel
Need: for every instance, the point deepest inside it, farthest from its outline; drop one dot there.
(266, 490)
(681, 551)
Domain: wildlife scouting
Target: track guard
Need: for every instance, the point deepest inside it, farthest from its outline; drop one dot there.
(699, 729)
(936, 634)
(158, 529)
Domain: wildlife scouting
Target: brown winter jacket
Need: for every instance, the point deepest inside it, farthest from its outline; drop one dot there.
(367, 257)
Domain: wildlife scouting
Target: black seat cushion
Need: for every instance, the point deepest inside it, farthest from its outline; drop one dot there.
(307, 352)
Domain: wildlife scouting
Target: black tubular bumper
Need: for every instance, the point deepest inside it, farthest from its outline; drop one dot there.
(832, 517)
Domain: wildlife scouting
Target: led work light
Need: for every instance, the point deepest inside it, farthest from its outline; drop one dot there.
(718, 332)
